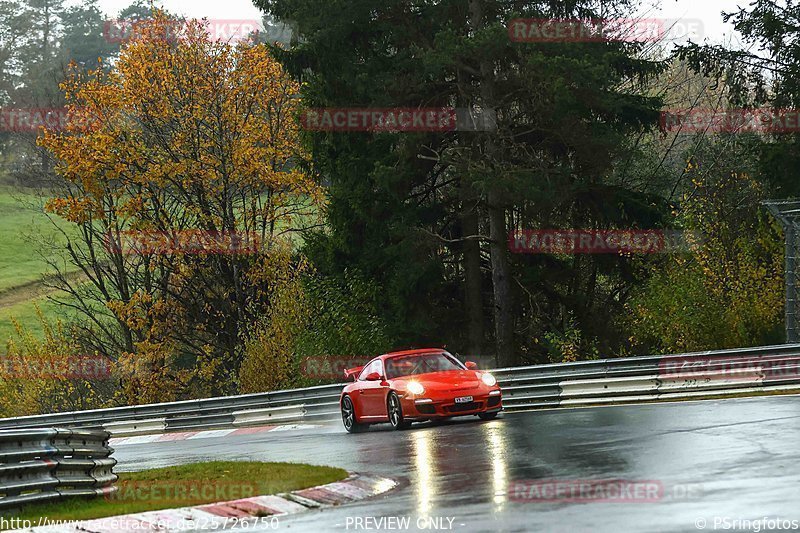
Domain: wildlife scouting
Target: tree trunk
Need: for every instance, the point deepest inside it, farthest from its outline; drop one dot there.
(501, 269)
(473, 291)
(501, 281)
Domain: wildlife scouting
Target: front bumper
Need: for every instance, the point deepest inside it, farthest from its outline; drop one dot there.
(428, 408)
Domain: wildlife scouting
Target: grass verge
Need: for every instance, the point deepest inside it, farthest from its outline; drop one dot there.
(187, 485)
(25, 233)
(25, 313)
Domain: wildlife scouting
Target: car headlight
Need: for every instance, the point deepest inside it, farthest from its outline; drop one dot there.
(414, 387)
(489, 380)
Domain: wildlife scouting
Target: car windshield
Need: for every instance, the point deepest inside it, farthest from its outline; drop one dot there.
(412, 365)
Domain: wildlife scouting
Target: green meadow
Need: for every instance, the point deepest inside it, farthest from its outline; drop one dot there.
(27, 235)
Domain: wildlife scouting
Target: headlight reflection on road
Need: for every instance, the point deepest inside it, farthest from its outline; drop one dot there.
(425, 464)
(496, 444)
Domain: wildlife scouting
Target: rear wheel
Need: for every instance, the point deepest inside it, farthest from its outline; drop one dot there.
(349, 417)
(488, 416)
(396, 413)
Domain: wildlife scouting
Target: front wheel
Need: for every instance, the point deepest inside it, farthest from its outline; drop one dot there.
(396, 413)
(488, 416)
(349, 417)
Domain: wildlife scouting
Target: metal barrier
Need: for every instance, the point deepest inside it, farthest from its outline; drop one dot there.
(132, 428)
(43, 465)
(655, 378)
(190, 414)
(265, 416)
(771, 369)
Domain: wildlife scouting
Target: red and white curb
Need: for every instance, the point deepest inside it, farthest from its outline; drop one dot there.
(192, 435)
(234, 514)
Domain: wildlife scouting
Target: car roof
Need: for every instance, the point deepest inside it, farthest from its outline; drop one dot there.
(412, 352)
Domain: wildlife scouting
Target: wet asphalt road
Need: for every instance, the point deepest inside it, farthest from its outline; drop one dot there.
(713, 460)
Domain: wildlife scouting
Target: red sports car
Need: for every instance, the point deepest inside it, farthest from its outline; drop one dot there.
(415, 386)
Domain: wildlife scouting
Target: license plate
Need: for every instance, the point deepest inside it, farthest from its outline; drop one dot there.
(464, 399)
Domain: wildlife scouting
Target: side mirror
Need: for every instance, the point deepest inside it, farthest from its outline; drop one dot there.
(471, 366)
(374, 377)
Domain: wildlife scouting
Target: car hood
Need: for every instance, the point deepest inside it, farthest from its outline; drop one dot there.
(449, 381)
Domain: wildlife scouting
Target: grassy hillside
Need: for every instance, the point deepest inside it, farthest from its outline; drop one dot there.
(25, 235)
(25, 314)
(24, 229)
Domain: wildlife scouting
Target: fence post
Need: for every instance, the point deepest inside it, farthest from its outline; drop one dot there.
(787, 212)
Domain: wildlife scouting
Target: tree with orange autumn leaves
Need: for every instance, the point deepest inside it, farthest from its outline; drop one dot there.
(182, 135)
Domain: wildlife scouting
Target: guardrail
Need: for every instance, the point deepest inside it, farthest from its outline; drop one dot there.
(189, 414)
(627, 380)
(712, 374)
(43, 465)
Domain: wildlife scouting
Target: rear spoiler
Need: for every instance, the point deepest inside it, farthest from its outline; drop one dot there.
(351, 373)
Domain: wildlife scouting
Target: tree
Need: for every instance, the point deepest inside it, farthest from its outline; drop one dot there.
(726, 290)
(426, 216)
(51, 374)
(13, 33)
(14, 24)
(768, 77)
(84, 35)
(181, 135)
(39, 40)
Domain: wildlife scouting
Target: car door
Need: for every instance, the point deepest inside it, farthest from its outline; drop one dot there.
(374, 393)
(361, 398)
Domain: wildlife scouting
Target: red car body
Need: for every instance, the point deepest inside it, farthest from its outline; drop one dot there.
(414, 386)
